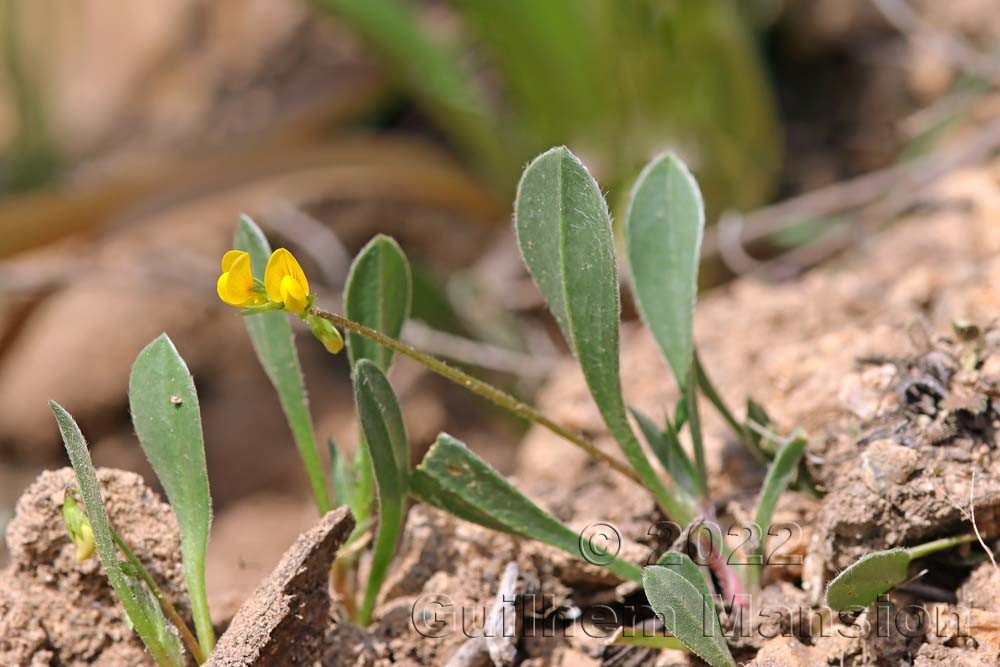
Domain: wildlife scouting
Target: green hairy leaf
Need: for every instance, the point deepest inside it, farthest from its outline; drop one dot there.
(378, 294)
(86, 477)
(385, 436)
(564, 232)
(663, 231)
(870, 576)
(165, 633)
(427, 489)
(465, 485)
(167, 420)
(683, 565)
(684, 610)
(271, 335)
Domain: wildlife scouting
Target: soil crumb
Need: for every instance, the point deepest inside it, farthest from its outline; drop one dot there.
(55, 610)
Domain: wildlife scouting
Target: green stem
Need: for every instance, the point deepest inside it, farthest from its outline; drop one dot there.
(927, 549)
(165, 604)
(476, 386)
(200, 613)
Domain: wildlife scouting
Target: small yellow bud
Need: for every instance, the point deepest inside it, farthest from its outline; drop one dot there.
(286, 283)
(326, 333)
(78, 527)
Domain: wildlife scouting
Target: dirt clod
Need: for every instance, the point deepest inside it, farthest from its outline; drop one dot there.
(55, 610)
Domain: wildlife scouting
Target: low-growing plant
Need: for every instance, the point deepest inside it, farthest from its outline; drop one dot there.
(167, 420)
(564, 232)
(565, 235)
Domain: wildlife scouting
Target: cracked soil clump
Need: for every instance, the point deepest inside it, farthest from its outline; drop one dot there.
(55, 610)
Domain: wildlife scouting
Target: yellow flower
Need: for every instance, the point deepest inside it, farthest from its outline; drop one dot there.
(235, 285)
(286, 283)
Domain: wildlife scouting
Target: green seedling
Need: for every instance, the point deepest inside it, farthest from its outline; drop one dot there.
(377, 296)
(564, 232)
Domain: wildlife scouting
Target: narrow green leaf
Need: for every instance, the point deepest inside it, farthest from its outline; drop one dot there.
(428, 490)
(779, 476)
(458, 473)
(271, 335)
(90, 493)
(663, 230)
(870, 576)
(378, 294)
(666, 445)
(165, 633)
(688, 614)
(167, 420)
(385, 435)
(680, 414)
(564, 232)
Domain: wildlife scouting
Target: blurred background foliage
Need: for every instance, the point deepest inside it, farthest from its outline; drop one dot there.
(501, 81)
(618, 81)
(132, 134)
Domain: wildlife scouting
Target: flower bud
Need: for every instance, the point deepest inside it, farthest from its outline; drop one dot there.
(326, 333)
(78, 527)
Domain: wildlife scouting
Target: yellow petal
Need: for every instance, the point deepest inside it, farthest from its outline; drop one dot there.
(293, 295)
(222, 287)
(230, 258)
(282, 263)
(235, 286)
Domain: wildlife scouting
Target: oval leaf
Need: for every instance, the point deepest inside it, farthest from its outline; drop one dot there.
(687, 613)
(271, 335)
(860, 584)
(682, 564)
(663, 231)
(385, 437)
(378, 294)
(167, 420)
